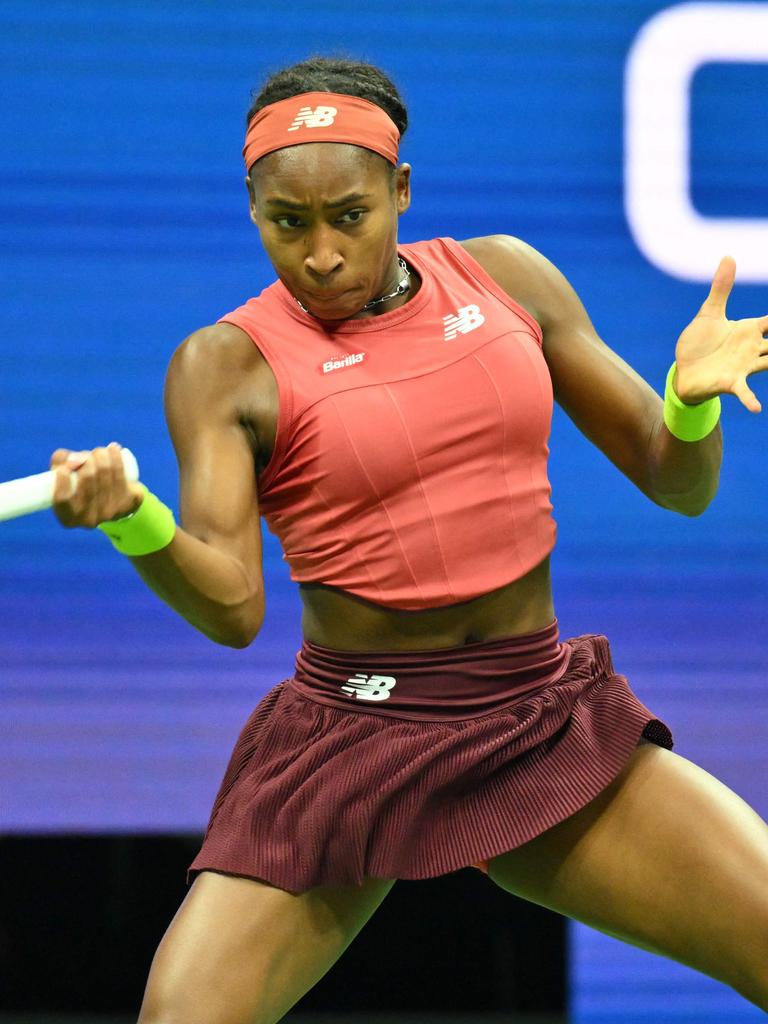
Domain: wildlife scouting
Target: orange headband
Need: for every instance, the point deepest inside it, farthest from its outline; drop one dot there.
(321, 117)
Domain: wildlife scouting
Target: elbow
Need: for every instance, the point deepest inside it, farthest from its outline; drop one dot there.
(690, 505)
(246, 631)
(239, 639)
(238, 643)
(241, 629)
(244, 638)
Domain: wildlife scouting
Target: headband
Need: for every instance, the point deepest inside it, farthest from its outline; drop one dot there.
(321, 117)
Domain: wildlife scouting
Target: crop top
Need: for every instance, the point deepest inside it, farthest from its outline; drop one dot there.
(410, 459)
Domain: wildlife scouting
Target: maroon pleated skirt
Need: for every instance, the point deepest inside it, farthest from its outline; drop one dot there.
(412, 764)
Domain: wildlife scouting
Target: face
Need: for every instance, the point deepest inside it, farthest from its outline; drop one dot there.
(327, 215)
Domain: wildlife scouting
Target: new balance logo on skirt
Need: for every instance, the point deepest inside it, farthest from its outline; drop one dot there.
(466, 320)
(320, 117)
(374, 687)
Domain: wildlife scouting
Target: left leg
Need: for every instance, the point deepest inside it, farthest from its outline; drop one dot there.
(666, 858)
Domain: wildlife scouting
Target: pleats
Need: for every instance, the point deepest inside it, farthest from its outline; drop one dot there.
(318, 794)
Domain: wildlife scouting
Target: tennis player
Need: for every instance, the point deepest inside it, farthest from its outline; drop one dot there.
(386, 408)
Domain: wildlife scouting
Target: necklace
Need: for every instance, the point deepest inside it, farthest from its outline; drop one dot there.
(403, 286)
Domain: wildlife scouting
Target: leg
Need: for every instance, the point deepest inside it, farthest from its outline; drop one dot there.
(666, 858)
(243, 952)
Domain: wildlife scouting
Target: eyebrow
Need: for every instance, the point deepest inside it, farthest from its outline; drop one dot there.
(353, 197)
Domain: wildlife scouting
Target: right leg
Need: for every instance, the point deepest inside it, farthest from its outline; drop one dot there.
(240, 951)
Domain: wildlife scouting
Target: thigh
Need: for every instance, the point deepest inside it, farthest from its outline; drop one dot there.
(666, 858)
(240, 951)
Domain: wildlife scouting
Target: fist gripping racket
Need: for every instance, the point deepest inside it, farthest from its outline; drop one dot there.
(34, 493)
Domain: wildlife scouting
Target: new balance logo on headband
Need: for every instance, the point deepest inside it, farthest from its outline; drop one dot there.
(320, 117)
(373, 687)
(467, 319)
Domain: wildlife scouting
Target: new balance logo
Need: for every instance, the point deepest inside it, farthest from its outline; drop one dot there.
(337, 364)
(468, 318)
(366, 687)
(320, 117)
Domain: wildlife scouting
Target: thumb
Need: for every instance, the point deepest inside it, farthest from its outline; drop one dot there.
(746, 396)
(722, 283)
(136, 490)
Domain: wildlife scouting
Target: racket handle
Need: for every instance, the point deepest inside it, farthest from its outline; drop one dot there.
(34, 493)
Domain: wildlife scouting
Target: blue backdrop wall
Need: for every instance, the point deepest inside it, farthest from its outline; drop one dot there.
(124, 227)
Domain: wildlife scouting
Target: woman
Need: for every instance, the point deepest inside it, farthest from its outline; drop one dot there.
(386, 408)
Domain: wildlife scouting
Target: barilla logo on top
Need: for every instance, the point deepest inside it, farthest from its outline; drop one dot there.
(337, 364)
(320, 117)
(466, 320)
(373, 687)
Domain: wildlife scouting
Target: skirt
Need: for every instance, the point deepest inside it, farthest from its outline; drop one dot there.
(414, 764)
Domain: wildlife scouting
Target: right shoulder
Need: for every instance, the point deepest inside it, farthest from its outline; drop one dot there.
(218, 349)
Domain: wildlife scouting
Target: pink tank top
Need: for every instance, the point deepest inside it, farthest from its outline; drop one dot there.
(410, 462)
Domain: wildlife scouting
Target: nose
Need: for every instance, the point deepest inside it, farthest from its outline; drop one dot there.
(323, 258)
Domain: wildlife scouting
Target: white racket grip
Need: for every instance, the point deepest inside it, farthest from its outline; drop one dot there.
(34, 493)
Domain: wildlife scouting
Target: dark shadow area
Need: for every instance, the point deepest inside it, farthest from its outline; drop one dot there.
(81, 917)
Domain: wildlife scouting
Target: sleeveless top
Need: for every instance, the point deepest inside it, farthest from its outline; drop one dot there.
(410, 460)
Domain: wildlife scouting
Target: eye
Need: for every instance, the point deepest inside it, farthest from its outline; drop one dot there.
(351, 213)
(286, 217)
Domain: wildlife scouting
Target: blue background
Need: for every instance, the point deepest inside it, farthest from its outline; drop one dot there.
(124, 227)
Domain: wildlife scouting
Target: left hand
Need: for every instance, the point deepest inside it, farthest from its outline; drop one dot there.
(715, 355)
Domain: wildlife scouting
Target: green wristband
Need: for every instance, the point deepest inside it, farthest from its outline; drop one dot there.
(688, 422)
(150, 528)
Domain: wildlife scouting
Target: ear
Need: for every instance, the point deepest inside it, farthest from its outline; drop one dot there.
(403, 188)
(251, 198)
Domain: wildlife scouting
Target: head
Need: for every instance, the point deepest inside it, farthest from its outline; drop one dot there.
(319, 245)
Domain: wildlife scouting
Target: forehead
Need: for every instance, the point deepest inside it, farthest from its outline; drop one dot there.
(316, 168)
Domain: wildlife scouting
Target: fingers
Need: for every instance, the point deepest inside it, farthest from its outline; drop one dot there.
(90, 486)
(747, 396)
(722, 283)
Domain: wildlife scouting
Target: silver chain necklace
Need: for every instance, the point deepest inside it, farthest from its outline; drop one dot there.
(402, 288)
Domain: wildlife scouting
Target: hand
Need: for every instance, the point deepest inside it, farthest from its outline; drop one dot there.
(714, 355)
(91, 487)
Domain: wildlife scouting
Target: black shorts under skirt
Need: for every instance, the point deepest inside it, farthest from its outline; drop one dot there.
(413, 764)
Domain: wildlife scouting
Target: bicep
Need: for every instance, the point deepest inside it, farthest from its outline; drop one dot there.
(218, 498)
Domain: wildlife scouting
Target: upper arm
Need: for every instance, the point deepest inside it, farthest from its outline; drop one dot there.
(218, 499)
(608, 401)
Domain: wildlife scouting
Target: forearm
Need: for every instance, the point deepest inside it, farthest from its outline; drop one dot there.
(207, 587)
(684, 474)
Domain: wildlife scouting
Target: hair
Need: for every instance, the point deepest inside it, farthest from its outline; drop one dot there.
(334, 74)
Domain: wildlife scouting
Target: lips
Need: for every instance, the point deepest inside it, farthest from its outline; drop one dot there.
(328, 296)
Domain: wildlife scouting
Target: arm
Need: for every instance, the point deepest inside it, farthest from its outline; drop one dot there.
(607, 400)
(211, 572)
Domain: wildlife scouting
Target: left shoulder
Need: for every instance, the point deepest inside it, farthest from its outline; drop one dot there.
(525, 275)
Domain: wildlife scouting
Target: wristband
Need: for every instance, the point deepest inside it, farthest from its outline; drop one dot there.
(689, 422)
(149, 528)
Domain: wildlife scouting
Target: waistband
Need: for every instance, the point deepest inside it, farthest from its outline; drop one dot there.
(433, 685)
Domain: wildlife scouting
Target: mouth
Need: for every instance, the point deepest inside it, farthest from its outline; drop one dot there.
(326, 297)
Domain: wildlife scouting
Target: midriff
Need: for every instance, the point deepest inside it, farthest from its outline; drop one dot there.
(342, 621)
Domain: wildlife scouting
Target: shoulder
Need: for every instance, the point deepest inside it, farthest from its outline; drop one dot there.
(216, 358)
(524, 273)
(217, 350)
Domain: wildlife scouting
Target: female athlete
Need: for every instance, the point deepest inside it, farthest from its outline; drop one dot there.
(386, 407)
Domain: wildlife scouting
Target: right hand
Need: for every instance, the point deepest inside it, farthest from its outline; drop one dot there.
(91, 487)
